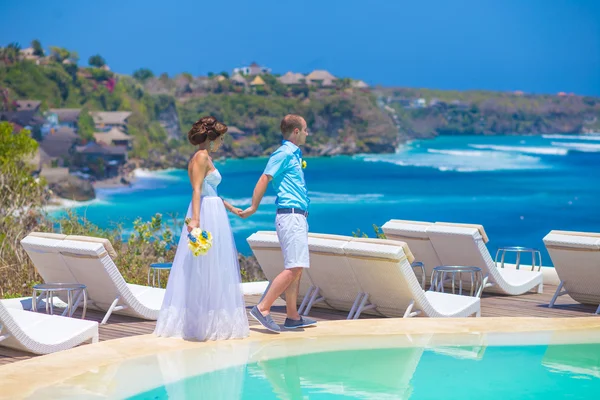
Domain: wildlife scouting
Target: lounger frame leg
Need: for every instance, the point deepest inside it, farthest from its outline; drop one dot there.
(363, 306)
(113, 307)
(305, 300)
(313, 300)
(597, 310)
(409, 313)
(355, 305)
(557, 294)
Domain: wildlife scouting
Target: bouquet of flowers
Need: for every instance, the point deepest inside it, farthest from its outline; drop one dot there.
(199, 241)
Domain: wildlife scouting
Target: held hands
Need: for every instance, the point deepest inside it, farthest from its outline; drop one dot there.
(247, 212)
(235, 210)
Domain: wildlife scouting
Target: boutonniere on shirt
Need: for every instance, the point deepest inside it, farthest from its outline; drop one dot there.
(303, 164)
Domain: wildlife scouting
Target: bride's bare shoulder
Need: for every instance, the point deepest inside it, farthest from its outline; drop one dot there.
(200, 157)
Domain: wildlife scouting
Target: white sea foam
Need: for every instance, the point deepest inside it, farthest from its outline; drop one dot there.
(460, 153)
(462, 160)
(63, 204)
(584, 147)
(572, 137)
(157, 174)
(343, 198)
(246, 201)
(553, 151)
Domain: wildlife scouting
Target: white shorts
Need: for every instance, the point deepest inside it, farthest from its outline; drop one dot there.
(292, 231)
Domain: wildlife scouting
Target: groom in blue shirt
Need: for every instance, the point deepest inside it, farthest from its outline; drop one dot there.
(284, 171)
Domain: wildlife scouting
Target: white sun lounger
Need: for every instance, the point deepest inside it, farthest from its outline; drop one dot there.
(576, 258)
(91, 265)
(464, 245)
(266, 249)
(414, 233)
(41, 249)
(391, 287)
(41, 333)
(87, 260)
(334, 284)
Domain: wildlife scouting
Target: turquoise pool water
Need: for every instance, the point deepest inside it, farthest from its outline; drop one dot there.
(440, 372)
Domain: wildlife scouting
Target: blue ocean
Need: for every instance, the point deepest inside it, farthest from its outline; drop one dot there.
(518, 187)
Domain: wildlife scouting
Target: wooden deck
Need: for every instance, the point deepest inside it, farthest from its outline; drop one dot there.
(528, 305)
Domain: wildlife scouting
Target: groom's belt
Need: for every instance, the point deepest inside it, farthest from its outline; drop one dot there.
(292, 211)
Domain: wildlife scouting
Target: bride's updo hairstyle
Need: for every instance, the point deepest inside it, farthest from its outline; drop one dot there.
(206, 128)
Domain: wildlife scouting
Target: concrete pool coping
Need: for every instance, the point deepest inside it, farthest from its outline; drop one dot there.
(24, 378)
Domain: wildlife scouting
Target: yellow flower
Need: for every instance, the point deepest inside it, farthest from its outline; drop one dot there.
(202, 242)
(303, 164)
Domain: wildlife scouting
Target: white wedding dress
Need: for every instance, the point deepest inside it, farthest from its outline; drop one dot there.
(204, 299)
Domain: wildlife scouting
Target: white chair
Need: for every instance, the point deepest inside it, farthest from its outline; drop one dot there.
(266, 249)
(333, 280)
(87, 260)
(391, 287)
(41, 333)
(464, 245)
(576, 258)
(41, 249)
(414, 233)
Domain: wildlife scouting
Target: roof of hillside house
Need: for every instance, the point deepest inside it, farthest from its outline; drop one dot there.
(21, 118)
(359, 84)
(110, 117)
(97, 148)
(28, 105)
(58, 142)
(257, 81)
(238, 78)
(254, 64)
(115, 134)
(327, 82)
(320, 75)
(66, 114)
(291, 78)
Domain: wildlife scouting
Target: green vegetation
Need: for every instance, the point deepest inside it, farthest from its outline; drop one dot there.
(342, 120)
(21, 197)
(491, 113)
(21, 200)
(97, 61)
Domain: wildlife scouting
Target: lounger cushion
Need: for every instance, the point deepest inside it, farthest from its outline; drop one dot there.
(554, 240)
(573, 233)
(476, 226)
(404, 221)
(48, 235)
(409, 255)
(105, 242)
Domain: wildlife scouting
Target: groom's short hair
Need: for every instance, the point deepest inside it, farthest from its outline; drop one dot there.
(289, 123)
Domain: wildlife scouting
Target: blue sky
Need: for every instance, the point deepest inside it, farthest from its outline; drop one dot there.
(539, 46)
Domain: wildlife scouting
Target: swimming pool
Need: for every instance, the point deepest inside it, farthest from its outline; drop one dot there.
(491, 366)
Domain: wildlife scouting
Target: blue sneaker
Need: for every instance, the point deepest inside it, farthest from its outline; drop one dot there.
(265, 320)
(303, 322)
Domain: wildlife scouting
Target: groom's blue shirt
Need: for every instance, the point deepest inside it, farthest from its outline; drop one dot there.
(285, 167)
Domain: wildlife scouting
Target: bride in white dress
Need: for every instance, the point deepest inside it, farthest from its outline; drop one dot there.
(204, 300)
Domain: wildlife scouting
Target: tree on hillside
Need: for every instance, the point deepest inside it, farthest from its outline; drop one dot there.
(143, 74)
(60, 54)
(19, 190)
(10, 54)
(97, 61)
(225, 74)
(38, 50)
(85, 125)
